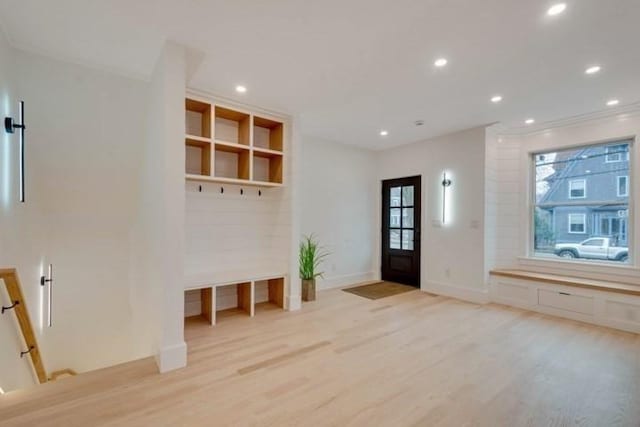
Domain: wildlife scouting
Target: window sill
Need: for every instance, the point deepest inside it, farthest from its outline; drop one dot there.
(578, 268)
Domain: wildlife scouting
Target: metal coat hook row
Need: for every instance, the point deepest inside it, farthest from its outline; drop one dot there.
(12, 306)
(23, 353)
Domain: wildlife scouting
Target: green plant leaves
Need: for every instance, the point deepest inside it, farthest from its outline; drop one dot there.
(310, 258)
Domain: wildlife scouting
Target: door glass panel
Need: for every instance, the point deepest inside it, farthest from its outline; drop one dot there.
(395, 196)
(407, 218)
(394, 239)
(407, 196)
(407, 240)
(394, 217)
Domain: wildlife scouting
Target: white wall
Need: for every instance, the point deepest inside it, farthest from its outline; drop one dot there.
(157, 273)
(338, 205)
(83, 135)
(452, 255)
(14, 371)
(511, 162)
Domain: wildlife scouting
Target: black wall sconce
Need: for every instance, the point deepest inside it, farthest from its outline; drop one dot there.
(48, 280)
(10, 126)
(446, 183)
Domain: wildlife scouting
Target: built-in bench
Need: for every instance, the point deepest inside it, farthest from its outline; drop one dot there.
(222, 295)
(607, 303)
(555, 279)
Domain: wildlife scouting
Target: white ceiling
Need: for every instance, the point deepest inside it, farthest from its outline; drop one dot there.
(348, 68)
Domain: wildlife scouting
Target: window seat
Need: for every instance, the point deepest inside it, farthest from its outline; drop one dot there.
(556, 279)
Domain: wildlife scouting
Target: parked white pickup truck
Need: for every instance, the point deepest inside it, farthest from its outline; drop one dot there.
(593, 248)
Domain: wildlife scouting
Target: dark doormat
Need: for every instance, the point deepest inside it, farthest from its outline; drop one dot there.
(380, 290)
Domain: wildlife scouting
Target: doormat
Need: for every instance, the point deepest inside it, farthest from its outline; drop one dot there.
(380, 290)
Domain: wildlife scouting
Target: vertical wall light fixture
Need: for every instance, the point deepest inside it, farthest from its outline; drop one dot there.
(48, 280)
(446, 183)
(10, 126)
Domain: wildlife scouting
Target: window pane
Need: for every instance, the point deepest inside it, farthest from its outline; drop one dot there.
(580, 194)
(394, 239)
(622, 186)
(395, 196)
(407, 196)
(394, 217)
(407, 240)
(407, 217)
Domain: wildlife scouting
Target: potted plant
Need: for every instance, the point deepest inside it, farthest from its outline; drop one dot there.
(311, 255)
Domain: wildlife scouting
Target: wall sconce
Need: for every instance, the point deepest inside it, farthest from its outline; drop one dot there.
(446, 183)
(10, 127)
(44, 280)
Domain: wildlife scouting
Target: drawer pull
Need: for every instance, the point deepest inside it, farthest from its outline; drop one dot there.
(563, 293)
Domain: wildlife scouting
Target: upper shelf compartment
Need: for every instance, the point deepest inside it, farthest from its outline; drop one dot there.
(198, 118)
(267, 134)
(232, 126)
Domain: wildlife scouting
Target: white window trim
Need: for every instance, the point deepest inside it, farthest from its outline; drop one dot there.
(626, 186)
(584, 223)
(584, 194)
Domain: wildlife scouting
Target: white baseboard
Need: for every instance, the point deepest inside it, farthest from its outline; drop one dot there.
(344, 280)
(172, 357)
(472, 295)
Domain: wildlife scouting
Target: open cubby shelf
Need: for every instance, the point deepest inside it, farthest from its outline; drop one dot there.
(267, 134)
(267, 167)
(219, 303)
(232, 126)
(198, 118)
(198, 156)
(225, 145)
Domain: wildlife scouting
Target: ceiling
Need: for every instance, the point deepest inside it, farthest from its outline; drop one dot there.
(347, 69)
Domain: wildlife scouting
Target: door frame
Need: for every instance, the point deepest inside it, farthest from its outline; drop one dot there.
(384, 237)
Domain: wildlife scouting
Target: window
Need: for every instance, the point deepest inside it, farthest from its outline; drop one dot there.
(623, 189)
(577, 223)
(616, 153)
(565, 212)
(578, 189)
(593, 242)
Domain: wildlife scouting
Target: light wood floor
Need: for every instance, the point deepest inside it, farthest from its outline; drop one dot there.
(409, 360)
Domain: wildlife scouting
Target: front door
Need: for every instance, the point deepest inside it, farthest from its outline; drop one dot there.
(401, 230)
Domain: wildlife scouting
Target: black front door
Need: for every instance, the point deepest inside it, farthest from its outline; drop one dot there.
(401, 230)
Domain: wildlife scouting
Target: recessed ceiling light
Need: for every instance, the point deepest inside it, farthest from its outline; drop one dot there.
(530, 121)
(384, 133)
(593, 69)
(241, 89)
(497, 98)
(440, 62)
(613, 102)
(556, 9)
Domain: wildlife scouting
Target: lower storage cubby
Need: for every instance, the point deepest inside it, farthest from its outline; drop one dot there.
(234, 300)
(269, 294)
(198, 305)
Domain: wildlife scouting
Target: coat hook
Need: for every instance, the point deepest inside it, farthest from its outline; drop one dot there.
(200, 188)
(221, 190)
(241, 191)
(22, 353)
(259, 192)
(10, 307)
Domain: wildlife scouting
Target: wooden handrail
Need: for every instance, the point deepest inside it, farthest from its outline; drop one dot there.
(12, 283)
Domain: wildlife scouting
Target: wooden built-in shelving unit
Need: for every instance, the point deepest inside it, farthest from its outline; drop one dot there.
(232, 146)
(248, 298)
